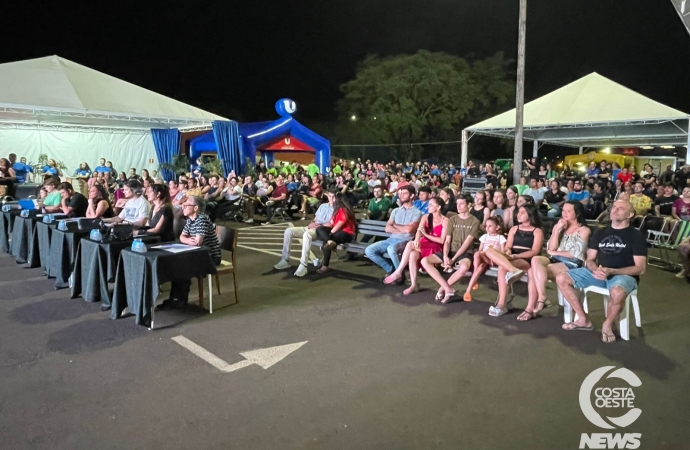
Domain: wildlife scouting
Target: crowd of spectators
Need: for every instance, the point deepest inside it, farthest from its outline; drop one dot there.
(433, 226)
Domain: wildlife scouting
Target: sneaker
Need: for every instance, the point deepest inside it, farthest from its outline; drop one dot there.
(266, 223)
(282, 265)
(514, 276)
(249, 221)
(681, 274)
(269, 203)
(301, 271)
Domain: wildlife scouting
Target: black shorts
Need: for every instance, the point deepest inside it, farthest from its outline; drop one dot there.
(570, 263)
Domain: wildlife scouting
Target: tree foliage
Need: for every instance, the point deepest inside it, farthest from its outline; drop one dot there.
(422, 97)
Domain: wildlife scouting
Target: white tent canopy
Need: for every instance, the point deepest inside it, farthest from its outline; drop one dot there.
(590, 112)
(73, 113)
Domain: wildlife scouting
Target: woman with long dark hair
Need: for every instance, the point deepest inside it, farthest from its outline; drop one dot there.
(448, 197)
(431, 233)
(567, 249)
(524, 242)
(161, 216)
(479, 209)
(341, 231)
(98, 204)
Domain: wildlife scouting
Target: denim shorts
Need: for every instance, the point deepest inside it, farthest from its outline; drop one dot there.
(570, 263)
(583, 278)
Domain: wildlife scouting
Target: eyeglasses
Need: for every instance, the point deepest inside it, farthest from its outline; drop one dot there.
(184, 206)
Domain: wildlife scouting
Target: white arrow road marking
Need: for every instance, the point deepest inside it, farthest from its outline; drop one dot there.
(265, 357)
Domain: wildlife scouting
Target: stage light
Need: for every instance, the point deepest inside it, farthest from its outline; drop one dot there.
(353, 118)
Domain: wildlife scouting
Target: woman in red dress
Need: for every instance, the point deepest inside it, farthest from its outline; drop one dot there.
(428, 240)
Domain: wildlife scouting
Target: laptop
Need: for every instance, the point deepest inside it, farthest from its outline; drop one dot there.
(27, 204)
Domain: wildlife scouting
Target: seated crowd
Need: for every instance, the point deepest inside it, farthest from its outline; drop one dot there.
(431, 225)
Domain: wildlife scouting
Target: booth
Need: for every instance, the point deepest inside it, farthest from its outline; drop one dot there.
(284, 135)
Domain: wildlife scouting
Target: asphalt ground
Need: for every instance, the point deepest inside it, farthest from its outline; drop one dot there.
(379, 370)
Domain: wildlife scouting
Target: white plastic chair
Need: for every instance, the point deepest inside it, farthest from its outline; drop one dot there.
(624, 324)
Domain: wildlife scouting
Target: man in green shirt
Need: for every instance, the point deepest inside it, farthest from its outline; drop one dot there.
(312, 169)
(522, 187)
(361, 189)
(272, 169)
(379, 205)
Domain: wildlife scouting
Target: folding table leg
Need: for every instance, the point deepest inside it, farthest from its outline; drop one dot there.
(210, 293)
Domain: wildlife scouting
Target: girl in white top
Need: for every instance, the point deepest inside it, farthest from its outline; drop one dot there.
(493, 238)
(567, 249)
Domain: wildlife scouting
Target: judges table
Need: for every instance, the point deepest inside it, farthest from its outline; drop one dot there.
(63, 250)
(22, 234)
(95, 265)
(6, 223)
(139, 276)
(41, 244)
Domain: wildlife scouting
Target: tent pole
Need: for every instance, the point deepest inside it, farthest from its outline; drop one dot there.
(463, 155)
(580, 152)
(687, 150)
(520, 91)
(535, 149)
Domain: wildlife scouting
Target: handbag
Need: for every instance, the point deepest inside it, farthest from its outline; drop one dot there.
(121, 232)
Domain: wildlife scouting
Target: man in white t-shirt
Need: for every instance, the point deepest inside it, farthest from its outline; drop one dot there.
(136, 210)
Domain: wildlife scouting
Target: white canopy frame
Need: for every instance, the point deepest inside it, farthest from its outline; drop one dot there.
(619, 118)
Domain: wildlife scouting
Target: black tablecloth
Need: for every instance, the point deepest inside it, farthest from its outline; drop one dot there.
(95, 265)
(22, 233)
(43, 233)
(63, 248)
(139, 276)
(6, 223)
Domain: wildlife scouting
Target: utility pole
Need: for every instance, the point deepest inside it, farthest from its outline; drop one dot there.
(520, 91)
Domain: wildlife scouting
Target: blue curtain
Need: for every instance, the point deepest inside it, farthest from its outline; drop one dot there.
(167, 143)
(227, 137)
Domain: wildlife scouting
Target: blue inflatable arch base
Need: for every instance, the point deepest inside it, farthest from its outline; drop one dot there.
(259, 137)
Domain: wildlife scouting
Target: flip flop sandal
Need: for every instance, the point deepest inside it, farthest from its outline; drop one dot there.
(546, 304)
(467, 297)
(439, 295)
(498, 312)
(475, 287)
(572, 327)
(608, 338)
(448, 296)
(530, 316)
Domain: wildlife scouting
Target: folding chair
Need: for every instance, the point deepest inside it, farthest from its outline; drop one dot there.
(227, 237)
(682, 231)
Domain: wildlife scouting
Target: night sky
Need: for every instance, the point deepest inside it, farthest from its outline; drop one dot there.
(237, 58)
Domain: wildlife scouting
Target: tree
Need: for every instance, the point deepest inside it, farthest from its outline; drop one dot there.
(422, 97)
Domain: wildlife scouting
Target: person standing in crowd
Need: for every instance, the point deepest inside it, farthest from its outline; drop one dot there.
(681, 207)
(51, 169)
(73, 203)
(83, 172)
(616, 257)
(101, 167)
(402, 223)
(429, 238)
(592, 170)
(681, 177)
(341, 230)
(322, 217)
(648, 176)
(456, 254)
(198, 231)
(136, 209)
(21, 169)
(566, 248)
(523, 243)
(98, 204)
